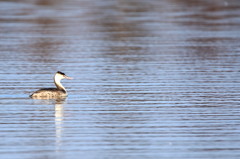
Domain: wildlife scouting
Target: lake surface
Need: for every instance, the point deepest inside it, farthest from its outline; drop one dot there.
(152, 79)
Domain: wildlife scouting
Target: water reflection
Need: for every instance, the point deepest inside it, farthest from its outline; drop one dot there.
(59, 117)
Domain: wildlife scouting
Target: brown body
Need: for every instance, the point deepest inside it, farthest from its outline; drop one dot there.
(49, 93)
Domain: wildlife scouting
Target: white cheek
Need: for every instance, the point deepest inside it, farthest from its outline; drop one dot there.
(58, 77)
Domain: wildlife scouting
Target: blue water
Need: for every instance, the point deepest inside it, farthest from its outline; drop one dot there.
(152, 79)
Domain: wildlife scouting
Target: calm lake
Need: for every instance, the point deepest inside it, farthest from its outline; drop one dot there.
(153, 79)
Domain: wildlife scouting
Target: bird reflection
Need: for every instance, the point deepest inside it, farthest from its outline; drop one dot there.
(59, 114)
(58, 117)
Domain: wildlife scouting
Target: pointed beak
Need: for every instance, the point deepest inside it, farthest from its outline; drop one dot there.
(68, 77)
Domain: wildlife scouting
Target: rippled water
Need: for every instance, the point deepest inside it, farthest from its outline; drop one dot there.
(152, 79)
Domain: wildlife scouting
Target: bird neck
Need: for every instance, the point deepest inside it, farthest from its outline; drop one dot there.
(58, 84)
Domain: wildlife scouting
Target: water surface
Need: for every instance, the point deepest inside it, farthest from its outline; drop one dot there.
(152, 79)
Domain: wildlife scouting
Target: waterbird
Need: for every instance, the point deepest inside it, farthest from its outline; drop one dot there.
(48, 93)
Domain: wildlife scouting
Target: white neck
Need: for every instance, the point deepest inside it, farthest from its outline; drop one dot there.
(58, 84)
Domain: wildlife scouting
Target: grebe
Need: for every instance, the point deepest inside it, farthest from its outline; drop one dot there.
(58, 92)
